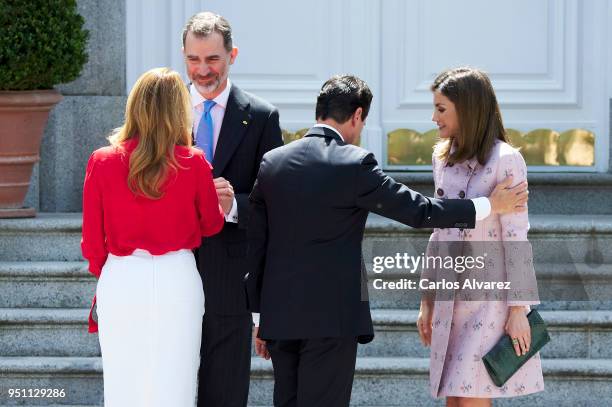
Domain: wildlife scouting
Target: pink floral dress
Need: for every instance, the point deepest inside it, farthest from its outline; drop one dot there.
(464, 331)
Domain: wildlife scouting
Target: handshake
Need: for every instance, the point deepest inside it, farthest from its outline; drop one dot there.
(225, 194)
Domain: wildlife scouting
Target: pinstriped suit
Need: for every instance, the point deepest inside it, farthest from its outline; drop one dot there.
(250, 128)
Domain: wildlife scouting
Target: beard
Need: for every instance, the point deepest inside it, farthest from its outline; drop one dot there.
(207, 85)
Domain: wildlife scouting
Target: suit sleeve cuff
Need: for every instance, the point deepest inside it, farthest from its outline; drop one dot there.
(232, 216)
(482, 207)
(256, 319)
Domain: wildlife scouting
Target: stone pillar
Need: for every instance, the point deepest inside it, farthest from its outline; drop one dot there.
(610, 135)
(93, 105)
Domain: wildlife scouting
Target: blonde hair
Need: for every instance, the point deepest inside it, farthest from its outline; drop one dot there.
(159, 113)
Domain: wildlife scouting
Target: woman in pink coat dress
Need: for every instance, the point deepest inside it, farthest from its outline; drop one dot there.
(471, 158)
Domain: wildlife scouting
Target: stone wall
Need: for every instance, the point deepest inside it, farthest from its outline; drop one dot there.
(92, 106)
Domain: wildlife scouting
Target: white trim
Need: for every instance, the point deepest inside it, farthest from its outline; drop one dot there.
(559, 86)
(608, 78)
(608, 19)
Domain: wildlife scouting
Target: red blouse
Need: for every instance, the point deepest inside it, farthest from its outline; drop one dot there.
(117, 221)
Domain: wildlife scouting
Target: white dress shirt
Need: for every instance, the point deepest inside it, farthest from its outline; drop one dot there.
(217, 112)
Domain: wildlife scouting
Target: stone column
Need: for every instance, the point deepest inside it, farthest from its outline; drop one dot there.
(93, 105)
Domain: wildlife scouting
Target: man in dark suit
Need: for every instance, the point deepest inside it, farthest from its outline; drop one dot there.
(235, 129)
(308, 213)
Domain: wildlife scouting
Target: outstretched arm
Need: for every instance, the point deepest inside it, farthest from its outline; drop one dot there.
(379, 193)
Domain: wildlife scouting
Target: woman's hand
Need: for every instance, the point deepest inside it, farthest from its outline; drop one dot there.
(424, 321)
(517, 327)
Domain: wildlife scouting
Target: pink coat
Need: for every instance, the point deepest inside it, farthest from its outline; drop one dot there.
(464, 331)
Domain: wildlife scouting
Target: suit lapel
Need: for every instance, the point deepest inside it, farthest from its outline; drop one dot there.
(233, 129)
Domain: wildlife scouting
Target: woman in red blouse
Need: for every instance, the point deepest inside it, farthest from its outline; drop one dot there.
(148, 199)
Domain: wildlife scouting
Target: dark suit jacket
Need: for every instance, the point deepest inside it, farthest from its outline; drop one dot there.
(308, 214)
(250, 128)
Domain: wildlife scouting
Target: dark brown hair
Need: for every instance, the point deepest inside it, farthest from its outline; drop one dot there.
(205, 23)
(480, 121)
(340, 96)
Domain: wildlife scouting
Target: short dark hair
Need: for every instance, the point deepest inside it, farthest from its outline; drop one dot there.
(340, 96)
(205, 23)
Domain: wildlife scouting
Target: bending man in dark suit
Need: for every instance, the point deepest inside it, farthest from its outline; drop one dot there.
(235, 129)
(308, 214)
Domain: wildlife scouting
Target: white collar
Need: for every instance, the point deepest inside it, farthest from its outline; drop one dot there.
(327, 126)
(221, 99)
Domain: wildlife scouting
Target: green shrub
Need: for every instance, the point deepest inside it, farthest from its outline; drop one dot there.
(42, 43)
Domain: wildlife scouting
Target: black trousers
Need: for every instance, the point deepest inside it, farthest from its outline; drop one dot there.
(313, 372)
(225, 362)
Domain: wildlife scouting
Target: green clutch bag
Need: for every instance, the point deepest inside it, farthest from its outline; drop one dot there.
(501, 361)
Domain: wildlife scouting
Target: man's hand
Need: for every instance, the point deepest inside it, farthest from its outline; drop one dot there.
(506, 199)
(260, 345)
(225, 193)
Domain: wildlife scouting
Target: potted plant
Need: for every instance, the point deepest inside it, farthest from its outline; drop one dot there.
(42, 44)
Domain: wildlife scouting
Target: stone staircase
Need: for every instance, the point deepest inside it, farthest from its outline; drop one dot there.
(45, 291)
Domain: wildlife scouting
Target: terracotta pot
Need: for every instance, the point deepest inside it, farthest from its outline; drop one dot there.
(23, 116)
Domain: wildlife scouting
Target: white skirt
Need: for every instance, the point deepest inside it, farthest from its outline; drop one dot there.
(150, 312)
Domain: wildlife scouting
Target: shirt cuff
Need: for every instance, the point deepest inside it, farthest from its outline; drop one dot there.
(483, 207)
(232, 216)
(256, 319)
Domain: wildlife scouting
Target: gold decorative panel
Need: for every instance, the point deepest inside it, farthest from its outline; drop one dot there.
(409, 147)
(288, 136)
(538, 147)
(577, 147)
(545, 147)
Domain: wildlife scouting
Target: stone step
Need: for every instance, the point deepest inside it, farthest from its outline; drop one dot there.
(47, 284)
(549, 193)
(555, 238)
(561, 286)
(48, 237)
(378, 381)
(574, 239)
(63, 332)
(79, 377)
(34, 284)
(574, 334)
(46, 332)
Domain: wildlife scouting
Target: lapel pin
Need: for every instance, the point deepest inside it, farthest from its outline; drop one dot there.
(245, 122)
